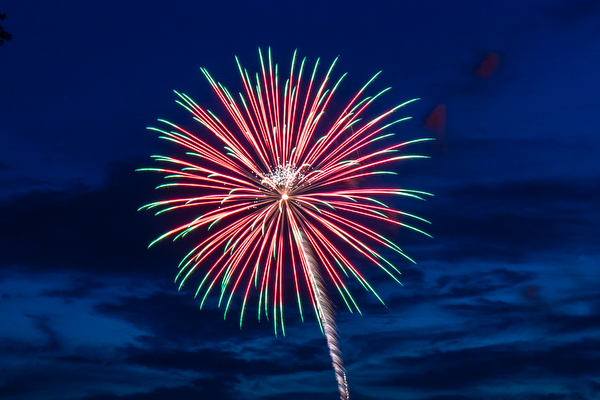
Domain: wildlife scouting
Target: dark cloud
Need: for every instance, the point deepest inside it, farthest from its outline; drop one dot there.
(571, 12)
(51, 341)
(98, 230)
(172, 317)
(457, 286)
(488, 316)
(23, 385)
(466, 368)
(311, 395)
(218, 361)
(181, 393)
(449, 397)
(41, 323)
(565, 323)
(181, 320)
(209, 389)
(80, 288)
(15, 186)
(173, 321)
(512, 221)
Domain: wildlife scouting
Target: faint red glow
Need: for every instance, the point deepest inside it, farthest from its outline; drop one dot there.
(488, 66)
(436, 123)
(353, 182)
(531, 292)
(437, 119)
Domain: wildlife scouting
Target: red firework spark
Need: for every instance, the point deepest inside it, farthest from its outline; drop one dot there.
(280, 177)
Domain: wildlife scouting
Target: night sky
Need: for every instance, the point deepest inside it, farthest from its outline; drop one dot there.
(503, 303)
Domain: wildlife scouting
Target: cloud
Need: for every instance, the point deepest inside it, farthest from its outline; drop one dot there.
(96, 231)
(208, 392)
(172, 317)
(81, 288)
(572, 12)
(513, 221)
(217, 361)
(467, 368)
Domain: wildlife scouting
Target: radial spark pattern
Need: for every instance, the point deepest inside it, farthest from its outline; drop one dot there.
(285, 175)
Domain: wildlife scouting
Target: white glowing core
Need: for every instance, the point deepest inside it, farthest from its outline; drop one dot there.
(285, 177)
(285, 196)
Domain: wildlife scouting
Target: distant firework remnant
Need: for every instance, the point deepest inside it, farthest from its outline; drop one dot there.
(488, 66)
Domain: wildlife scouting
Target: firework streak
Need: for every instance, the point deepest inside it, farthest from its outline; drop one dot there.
(286, 195)
(325, 311)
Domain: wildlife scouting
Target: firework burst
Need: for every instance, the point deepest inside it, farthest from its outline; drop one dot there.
(278, 202)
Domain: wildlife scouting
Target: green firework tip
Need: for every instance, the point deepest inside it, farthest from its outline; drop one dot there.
(214, 222)
(379, 213)
(341, 266)
(320, 139)
(316, 208)
(350, 198)
(384, 173)
(351, 162)
(359, 279)
(151, 128)
(408, 193)
(164, 185)
(407, 102)
(358, 105)
(184, 263)
(343, 296)
(379, 94)
(327, 204)
(370, 81)
(173, 176)
(159, 239)
(227, 245)
(386, 126)
(149, 169)
(381, 203)
(213, 115)
(376, 295)
(188, 108)
(182, 233)
(417, 191)
(416, 230)
(382, 136)
(416, 141)
(204, 297)
(145, 207)
(234, 246)
(407, 157)
(391, 266)
(300, 306)
(415, 217)
(164, 121)
(390, 244)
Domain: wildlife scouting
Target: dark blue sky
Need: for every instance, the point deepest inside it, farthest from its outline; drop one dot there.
(503, 303)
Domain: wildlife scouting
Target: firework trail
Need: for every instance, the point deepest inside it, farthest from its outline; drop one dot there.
(285, 194)
(325, 312)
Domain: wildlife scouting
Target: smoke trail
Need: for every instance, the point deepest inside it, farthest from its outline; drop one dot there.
(325, 311)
